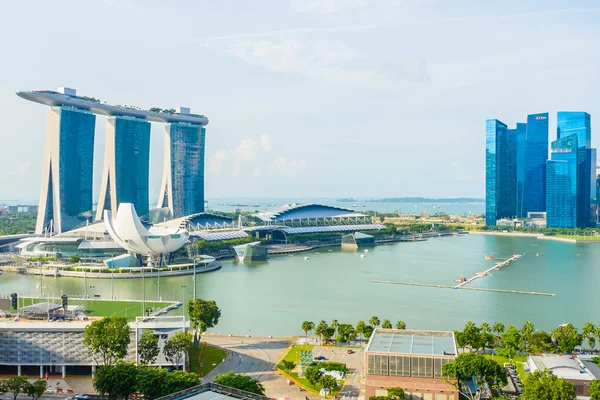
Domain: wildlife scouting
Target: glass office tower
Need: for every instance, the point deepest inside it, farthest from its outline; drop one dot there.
(182, 188)
(66, 192)
(562, 184)
(536, 155)
(501, 172)
(521, 134)
(126, 165)
(578, 123)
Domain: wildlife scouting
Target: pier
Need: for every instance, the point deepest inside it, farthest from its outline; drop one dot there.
(432, 285)
(463, 283)
(496, 267)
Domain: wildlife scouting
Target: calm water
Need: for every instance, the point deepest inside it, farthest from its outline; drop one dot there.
(276, 296)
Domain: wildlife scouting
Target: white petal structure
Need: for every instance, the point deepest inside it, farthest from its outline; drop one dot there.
(128, 232)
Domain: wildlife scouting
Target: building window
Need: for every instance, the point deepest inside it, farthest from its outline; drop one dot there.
(422, 367)
(437, 366)
(399, 366)
(378, 364)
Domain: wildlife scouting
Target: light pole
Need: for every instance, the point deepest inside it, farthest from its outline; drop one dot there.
(41, 293)
(143, 292)
(183, 302)
(194, 258)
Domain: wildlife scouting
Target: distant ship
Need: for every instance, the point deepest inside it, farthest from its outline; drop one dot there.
(255, 205)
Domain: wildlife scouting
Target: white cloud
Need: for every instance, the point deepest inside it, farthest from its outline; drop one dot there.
(288, 168)
(410, 70)
(256, 171)
(265, 142)
(216, 161)
(243, 153)
(23, 167)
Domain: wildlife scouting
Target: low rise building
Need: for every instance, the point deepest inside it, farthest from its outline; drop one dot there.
(579, 372)
(412, 360)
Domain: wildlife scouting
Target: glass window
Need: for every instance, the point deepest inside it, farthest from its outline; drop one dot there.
(422, 367)
(437, 366)
(377, 364)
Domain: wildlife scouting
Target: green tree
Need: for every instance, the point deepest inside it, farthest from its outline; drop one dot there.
(589, 333)
(386, 324)
(374, 321)
(400, 325)
(320, 329)
(486, 338)
(177, 381)
(36, 389)
(335, 324)
(312, 374)
(595, 390)
(511, 340)
(204, 314)
(107, 339)
(395, 393)
(148, 348)
(541, 342)
(118, 381)
(287, 365)
(177, 347)
(567, 338)
(16, 385)
(74, 259)
(368, 331)
(328, 382)
(346, 332)
(498, 329)
(544, 385)
(154, 382)
(307, 326)
(328, 333)
(240, 381)
(482, 370)
(527, 331)
(360, 329)
(472, 336)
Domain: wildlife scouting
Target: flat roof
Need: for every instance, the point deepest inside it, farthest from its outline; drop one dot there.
(52, 98)
(210, 395)
(563, 366)
(404, 341)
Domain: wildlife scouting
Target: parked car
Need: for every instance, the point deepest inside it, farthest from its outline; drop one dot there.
(320, 358)
(81, 397)
(350, 351)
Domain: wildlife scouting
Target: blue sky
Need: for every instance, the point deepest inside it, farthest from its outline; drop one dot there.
(306, 98)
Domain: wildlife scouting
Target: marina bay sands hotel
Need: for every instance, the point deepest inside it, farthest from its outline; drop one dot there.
(66, 192)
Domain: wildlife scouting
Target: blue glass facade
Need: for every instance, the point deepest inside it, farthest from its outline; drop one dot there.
(578, 123)
(501, 172)
(187, 168)
(562, 184)
(521, 134)
(75, 158)
(536, 155)
(132, 161)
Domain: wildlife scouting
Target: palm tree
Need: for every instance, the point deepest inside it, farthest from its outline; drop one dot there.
(386, 324)
(374, 321)
(320, 329)
(485, 331)
(597, 334)
(360, 329)
(307, 326)
(498, 330)
(335, 324)
(400, 325)
(589, 331)
(527, 330)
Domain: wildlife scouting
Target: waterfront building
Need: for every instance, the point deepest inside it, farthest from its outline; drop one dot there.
(412, 360)
(31, 347)
(66, 193)
(67, 169)
(250, 252)
(182, 188)
(578, 123)
(501, 172)
(534, 168)
(562, 181)
(579, 372)
(521, 132)
(126, 165)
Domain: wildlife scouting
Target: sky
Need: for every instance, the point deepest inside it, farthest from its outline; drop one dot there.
(306, 98)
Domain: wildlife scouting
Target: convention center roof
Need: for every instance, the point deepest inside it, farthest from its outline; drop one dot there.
(402, 341)
(306, 211)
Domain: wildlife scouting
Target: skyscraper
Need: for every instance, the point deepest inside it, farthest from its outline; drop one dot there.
(578, 123)
(561, 186)
(521, 133)
(182, 188)
(534, 168)
(66, 192)
(501, 172)
(126, 161)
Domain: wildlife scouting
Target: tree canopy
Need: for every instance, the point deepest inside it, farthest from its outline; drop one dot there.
(116, 381)
(176, 347)
(148, 349)
(482, 370)
(544, 385)
(595, 390)
(204, 314)
(240, 381)
(107, 339)
(567, 338)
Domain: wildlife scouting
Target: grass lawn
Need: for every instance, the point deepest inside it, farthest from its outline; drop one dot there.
(202, 365)
(519, 361)
(294, 356)
(103, 308)
(579, 237)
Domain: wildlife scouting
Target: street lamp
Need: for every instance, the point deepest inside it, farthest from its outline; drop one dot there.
(183, 302)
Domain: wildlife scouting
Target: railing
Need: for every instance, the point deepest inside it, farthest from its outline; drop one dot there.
(214, 387)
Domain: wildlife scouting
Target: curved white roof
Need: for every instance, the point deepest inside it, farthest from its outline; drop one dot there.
(128, 232)
(52, 98)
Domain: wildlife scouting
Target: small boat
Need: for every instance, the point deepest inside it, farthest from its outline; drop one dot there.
(366, 250)
(537, 254)
(306, 258)
(362, 256)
